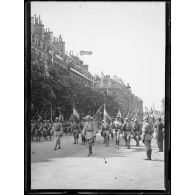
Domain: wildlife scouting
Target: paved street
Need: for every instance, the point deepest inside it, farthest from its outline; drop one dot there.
(107, 168)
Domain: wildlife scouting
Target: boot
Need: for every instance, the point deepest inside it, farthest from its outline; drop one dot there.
(149, 154)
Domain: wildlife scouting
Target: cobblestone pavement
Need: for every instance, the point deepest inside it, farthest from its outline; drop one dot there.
(107, 168)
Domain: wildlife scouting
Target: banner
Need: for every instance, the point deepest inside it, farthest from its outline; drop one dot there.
(106, 115)
(75, 113)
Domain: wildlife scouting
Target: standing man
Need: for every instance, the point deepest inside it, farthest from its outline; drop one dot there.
(75, 131)
(88, 131)
(106, 129)
(58, 131)
(147, 136)
(160, 135)
(128, 130)
(137, 130)
(117, 125)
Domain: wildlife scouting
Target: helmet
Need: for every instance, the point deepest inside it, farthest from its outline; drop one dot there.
(88, 117)
(146, 118)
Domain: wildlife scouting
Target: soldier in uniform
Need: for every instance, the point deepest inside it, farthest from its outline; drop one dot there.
(106, 129)
(147, 136)
(49, 129)
(88, 131)
(38, 130)
(160, 135)
(44, 132)
(128, 130)
(117, 126)
(137, 130)
(75, 131)
(58, 131)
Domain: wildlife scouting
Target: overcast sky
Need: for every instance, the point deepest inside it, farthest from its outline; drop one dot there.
(126, 38)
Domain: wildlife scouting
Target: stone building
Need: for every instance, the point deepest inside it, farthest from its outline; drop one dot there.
(51, 50)
(115, 87)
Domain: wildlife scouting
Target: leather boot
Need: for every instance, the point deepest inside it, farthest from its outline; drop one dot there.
(150, 153)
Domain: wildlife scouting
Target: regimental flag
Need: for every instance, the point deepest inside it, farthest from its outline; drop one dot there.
(106, 115)
(86, 53)
(75, 113)
(119, 113)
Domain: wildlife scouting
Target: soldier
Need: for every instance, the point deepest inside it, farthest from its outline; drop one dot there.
(44, 132)
(58, 130)
(33, 126)
(106, 129)
(88, 131)
(49, 129)
(82, 135)
(102, 131)
(147, 136)
(159, 135)
(38, 130)
(128, 130)
(75, 131)
(117, 126)
(137, 130)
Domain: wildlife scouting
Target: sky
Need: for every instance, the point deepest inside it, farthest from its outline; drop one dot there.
(126, 38)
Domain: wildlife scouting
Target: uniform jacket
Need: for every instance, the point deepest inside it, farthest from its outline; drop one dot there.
(117, 125)
(57, 128)
(159, 135)
(88, 130)
(128, 128)
(147, 131)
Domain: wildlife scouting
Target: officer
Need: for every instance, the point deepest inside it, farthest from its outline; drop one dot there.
(147, 136)
(106, 129)
(75, 131)
(58, 131)
(117, 125)
(137, 130)
(159, 135)
(128, 130)
(88, 131)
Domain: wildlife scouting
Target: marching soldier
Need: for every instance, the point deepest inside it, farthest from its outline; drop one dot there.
(128, 130)
(160, 135)
(106, 129)
(58, 131)
(137, 130)
(49, 129)
(147, 136)
(38, 129)
(88, 131)
(75, 131)
(117, 126)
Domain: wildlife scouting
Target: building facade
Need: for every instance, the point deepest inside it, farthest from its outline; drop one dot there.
(51, 50)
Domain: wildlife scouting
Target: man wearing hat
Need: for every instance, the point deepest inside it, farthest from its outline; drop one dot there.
(75, 131)
(117, 125)
(147, 136)
(58, 131)
(128, 130)
(159, 135)
(137, 130)
(105, 128)
(88, 131)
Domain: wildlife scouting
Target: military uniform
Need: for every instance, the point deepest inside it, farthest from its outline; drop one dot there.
(58, 131)
(137, 130)
(75, 131)
(38, 130)
(106, 129)
(160, 135)
(88, 131)
(147, 137)
(128, 130)
(117, 125)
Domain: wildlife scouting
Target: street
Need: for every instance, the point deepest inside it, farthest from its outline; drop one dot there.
(107, 168)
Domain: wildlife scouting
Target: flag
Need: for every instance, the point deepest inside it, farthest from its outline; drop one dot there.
(106, 115)
(98, 110)
(75, 113)
(86, 53)
(119, 113)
